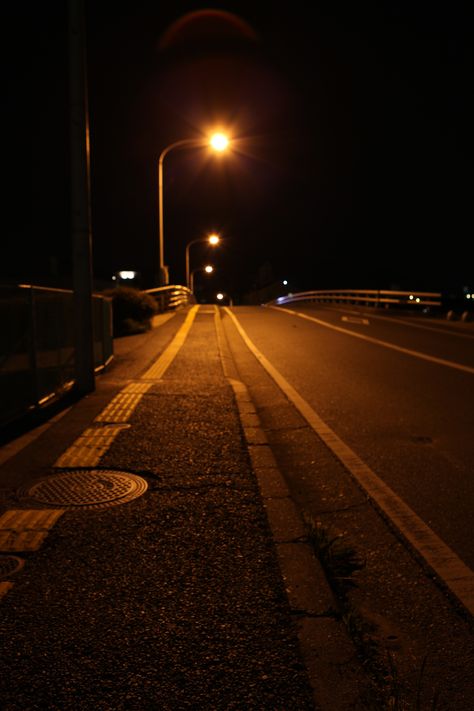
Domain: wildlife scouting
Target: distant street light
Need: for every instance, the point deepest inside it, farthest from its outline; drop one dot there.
(218, 142)
(221, 297)
(208, 269)
(212, 239)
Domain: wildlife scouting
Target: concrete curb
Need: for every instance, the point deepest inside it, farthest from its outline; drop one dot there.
(325, 646)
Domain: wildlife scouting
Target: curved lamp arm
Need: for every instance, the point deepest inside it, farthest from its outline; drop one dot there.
(177, 144)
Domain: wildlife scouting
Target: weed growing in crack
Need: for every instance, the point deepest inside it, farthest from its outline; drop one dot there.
(340, 562)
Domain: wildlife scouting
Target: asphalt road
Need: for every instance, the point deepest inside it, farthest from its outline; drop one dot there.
(397, 389)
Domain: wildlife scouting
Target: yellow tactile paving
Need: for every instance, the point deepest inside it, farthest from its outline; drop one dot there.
(26, 529)
(92, 444)
(137, 387)
(157, 370)
(120, 408)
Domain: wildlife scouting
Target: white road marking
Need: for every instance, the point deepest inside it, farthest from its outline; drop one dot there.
(355, 319)
(377, 341)
(450, 569)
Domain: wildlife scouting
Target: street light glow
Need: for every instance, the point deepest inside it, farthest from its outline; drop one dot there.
(209, 269)
(219, 296)
(219, 141)
(214, 239)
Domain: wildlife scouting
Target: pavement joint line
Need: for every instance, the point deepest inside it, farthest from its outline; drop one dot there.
(447, 567)
(377, 341)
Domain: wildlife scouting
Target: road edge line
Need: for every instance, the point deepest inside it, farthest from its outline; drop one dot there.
(447, 567)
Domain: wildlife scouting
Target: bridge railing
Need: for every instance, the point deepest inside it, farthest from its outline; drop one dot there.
(367, 297)
(169, 298)
(37, 345)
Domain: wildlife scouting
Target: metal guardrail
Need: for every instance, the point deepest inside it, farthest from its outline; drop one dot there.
(37, 345)
(172, 297)
(368, 297)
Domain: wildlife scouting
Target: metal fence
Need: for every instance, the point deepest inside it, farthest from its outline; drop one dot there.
(37, 345)
(367, 297)
(172, 297)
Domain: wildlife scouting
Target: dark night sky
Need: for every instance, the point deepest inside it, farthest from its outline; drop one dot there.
(352, 161)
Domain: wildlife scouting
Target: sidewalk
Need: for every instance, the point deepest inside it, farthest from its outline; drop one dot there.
(173, 599)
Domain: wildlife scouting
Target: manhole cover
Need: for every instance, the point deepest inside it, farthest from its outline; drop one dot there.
(96, 488)
(9, 565)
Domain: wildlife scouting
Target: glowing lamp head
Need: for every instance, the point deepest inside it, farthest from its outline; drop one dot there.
(214, 239)
(209, 269)
(219, 296)
(219, 142)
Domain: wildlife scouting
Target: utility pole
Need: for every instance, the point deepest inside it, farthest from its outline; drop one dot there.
(80, 200)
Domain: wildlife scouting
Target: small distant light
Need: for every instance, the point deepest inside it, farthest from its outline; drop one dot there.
(114, 278)
(468, 296)
(417, 299)
(220, 296)
(285, 282)
(209, 269)
(127, 274)
(411, 297)
(214, 239)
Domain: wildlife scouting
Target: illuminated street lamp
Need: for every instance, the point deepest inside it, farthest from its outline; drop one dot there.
(208, 269)
(218, 142)
(221, 297)
(211, 239)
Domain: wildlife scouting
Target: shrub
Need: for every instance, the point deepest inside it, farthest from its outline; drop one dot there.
(132, 310)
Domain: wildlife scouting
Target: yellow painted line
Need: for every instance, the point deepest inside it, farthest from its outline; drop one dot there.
(90, 446)
(25, 529)
(451, 570)
(157, 370)
(385, 344)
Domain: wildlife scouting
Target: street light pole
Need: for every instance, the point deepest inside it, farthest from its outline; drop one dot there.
(212, 239)
(80, 201)
(163, 276)
(208, 269)
(218, 142)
